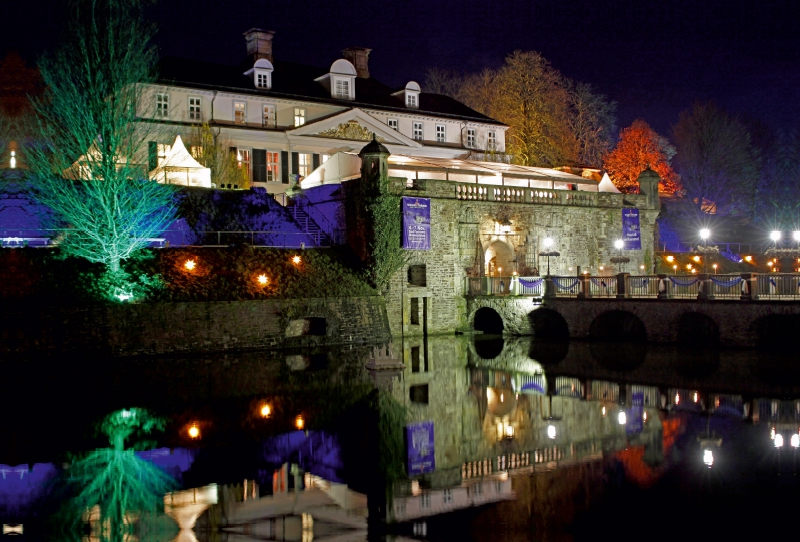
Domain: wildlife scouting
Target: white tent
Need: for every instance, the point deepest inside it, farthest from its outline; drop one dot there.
(179, 167)
(342, 166)
(607, 186)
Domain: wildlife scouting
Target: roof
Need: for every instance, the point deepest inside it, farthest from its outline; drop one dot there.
(297, 81)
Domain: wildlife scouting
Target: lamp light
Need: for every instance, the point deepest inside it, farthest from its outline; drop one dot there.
(775, 235)
(778, 440)
(189, 265)
(670, 259)
(551, 431)
(708, 458)
(194, 431)
(262, 280)
(705, 233)
(299, 422)
(618, 244)
(296, 260)
(796, 235)
(265, 411)
(622, 418)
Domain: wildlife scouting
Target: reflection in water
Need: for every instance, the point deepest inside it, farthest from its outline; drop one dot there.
(506, 439)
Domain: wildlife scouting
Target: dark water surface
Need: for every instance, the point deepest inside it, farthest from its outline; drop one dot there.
(510, 440)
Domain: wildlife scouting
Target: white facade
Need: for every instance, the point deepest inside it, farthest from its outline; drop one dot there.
(284, 135)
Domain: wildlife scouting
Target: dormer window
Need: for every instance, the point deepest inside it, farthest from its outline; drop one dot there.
(410, 94)
(261, 73)
(341, 80)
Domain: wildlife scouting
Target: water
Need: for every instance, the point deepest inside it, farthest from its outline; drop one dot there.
(530, 441)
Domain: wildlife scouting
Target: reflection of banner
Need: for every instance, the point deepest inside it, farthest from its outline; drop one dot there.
(421, 457)
(416, 223)
(630, 228)
(635, 420)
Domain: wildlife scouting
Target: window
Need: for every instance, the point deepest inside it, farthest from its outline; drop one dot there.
(269, 116)
(418, 275)
(262, 80)
(393, 124)
(243, 158)
(447, 496)
(491, 141)
(440, 133)
(299, 116)
(162, 105)
(303, 164)
(194, 108)
(414, 313)
(425, 500)
(411, 100)
(239, 112)
(418, 131)
(470, 137)
(272, 167)
(342, 89)
(323, 158)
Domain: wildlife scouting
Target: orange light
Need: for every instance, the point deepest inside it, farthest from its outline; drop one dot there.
(688, 266)
(189, 265)
(265, 411)
(194, 431)
(262, 280)
(299, 422)
(769, 264)
(694, 270)
(696, 258)
(670, 259)
(748, 258)
(714, 266)
(296, 260)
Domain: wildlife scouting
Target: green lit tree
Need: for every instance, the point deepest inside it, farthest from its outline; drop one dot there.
(90, 158)
(115, 487)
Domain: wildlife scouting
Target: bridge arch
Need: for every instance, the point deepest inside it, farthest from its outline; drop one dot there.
(697, 329)
(547, 324)
(488, 320)
(617, 326)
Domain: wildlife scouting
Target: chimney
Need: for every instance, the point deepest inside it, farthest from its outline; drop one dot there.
(259, 44)
(358, 57)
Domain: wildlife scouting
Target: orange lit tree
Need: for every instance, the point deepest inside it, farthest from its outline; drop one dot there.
(639, 147)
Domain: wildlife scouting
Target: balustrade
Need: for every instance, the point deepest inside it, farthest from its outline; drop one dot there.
(513, 194)
(746, 286)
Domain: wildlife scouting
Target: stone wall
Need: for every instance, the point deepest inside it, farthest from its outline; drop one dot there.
(583, 231)
(171, 328)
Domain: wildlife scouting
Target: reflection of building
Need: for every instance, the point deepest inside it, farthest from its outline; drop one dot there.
(492, 422)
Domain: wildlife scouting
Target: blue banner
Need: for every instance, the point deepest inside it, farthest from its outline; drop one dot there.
(416, 223)
(630, 228)
(421, 457)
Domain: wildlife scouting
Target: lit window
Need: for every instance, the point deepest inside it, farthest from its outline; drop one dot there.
(425, 501)
(418, 131)
(491, 141)
(411, 100)
(393, 124)
(272, 167)
(323, 158)
(262, 80)
(194, 109)
(243, 158)
(239, 112)
(162, 105)
(303, 164)
(269, 116)
(299, 116)
(342, 89)
(470, 137)
(447, 496)
(440, 133)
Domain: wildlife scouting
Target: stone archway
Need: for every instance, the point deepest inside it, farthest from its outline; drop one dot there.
(488, 320)
(499, 259)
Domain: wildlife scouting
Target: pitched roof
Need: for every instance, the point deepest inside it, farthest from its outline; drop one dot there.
(290, 80)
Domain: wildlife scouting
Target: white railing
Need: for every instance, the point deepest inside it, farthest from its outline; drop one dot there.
(603, 286)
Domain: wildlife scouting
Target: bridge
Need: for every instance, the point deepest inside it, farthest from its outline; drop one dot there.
(746, 310)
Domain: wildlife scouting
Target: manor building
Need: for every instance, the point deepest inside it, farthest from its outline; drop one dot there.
(281, 119)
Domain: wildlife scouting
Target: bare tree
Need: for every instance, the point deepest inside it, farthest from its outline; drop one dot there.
(716, 160)
(213, 151)
(593, 121)
(90, 122)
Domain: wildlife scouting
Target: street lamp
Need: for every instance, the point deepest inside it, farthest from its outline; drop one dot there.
(619, 244)
(547, 242)
(775, 235)
(705, 233)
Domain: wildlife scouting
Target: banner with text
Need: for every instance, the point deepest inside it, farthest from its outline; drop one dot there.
(630, 228)
(416, 223)
(421, 456)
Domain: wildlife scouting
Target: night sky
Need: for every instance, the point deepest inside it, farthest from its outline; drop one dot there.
(654, 58)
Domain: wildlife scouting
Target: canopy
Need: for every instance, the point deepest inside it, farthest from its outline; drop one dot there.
(179, 167)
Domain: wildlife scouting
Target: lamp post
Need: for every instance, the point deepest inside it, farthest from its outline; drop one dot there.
(547, 242)
(619, 244)
(705, 233)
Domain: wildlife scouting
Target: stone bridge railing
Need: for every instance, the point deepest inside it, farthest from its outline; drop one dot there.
(741, 287)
